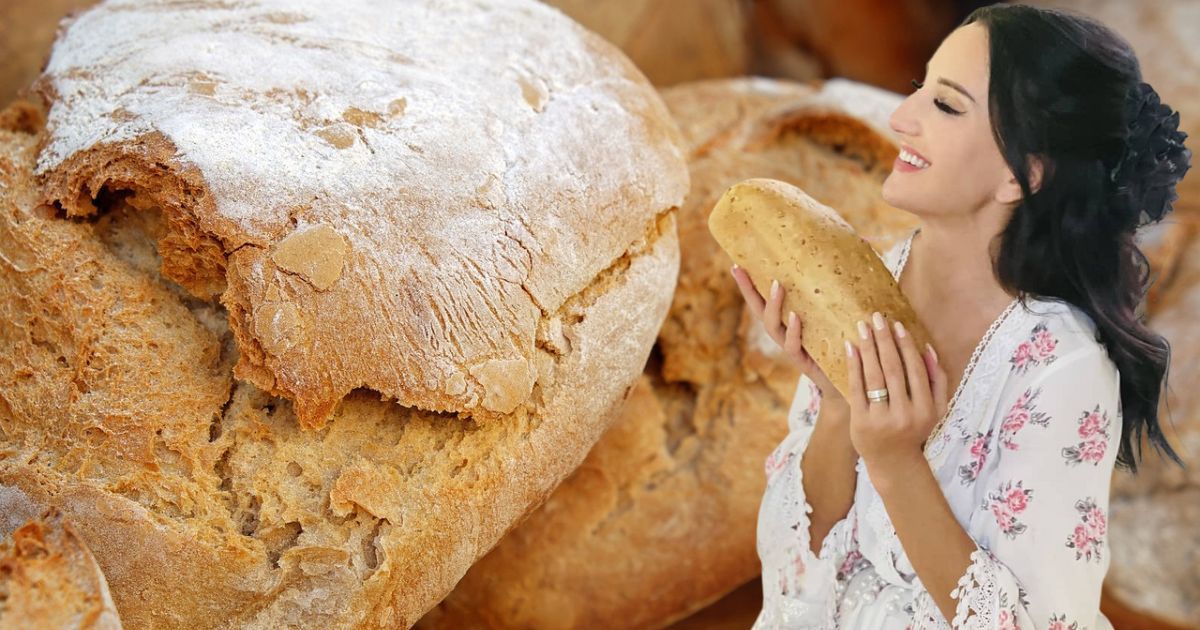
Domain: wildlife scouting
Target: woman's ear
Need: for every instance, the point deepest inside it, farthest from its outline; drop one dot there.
(1010, 191)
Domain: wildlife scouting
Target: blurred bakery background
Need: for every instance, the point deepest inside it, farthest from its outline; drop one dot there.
(710, 359)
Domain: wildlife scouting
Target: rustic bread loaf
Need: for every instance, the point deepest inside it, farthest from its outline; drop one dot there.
(49, 579)
(336, 172)
(672, 41)
(660, 518)
(832, 278)
(202, 497)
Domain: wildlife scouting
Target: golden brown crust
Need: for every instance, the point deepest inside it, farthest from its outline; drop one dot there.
(49, 579)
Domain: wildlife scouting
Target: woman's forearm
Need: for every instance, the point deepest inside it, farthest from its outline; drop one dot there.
(828, 471)
(935, 542)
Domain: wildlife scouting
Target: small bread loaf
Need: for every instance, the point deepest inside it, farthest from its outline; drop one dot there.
(831, 277)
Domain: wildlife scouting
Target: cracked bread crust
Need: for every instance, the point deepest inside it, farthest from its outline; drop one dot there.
(201, 496)
(401, 212)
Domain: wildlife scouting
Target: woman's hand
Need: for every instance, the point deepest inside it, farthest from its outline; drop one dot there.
(890, 434)
(789, 335)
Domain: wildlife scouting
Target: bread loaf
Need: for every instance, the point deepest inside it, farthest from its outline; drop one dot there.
(346, 203)
(503, 207)
(660, 518)
(832, 278)
(672, 41)
(49, 579)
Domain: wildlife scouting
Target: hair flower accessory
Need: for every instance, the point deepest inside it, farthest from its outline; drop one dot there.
(1155, 157)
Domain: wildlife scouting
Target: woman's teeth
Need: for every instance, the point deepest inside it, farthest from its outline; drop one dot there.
(912, 159)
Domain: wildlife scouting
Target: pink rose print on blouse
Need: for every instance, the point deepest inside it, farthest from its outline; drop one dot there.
(1093, 433)
(853, 562)
(1059, 622)
(1006, 503)
(1007, 619)
(809, 415)
(981, 445)
(1022, 412)
(776, 462)
(1088, 536)
(1037, 350)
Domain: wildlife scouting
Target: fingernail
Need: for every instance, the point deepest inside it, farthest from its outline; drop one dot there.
(862, 330)
(878, 319)
(736, 267)
(774, 288)
(900, 330)
(849, 348)
(792, 318)
(932, 352)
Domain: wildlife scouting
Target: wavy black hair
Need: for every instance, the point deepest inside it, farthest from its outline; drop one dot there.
(1068, 91)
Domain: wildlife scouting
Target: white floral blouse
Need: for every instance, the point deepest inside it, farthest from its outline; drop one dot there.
(1024, 460)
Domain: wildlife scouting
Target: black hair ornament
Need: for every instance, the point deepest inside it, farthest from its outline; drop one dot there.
(1154, 158)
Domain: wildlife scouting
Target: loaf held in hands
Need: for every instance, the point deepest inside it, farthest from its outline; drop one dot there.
(831, 277)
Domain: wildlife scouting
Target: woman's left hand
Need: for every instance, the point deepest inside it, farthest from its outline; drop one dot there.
(892, 431)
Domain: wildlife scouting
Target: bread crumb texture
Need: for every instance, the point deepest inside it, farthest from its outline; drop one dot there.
(275, 382)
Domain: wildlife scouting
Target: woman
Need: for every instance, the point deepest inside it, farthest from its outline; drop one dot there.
(1032, 152)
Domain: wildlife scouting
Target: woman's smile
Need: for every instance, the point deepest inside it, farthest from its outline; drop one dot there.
(909, 161)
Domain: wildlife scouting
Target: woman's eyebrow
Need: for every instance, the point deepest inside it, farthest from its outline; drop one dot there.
(948, 82)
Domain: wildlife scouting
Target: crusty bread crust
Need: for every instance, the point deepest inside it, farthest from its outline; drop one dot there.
(49, 579)
(202, 496)
(400, 211)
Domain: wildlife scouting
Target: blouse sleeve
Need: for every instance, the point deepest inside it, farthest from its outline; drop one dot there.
(809, 583)
(1041, 525)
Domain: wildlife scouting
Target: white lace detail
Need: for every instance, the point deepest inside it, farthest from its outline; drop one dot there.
(940, 435)
(977, 594)
(926, 614)
(899, 267)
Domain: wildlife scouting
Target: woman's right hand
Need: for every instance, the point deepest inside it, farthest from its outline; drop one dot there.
(788, 335)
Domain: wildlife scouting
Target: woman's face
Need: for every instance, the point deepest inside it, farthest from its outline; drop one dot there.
(946, 124)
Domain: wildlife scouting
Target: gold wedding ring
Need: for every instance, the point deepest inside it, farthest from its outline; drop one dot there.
(877, 395)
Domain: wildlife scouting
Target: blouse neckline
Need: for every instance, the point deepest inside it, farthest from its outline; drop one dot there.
(980, 346)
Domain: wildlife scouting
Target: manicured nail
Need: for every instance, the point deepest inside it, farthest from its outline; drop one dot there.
(878, 319)
(862, 330)
(932, 352)
(849, 348)
(900, 330)
(774, 288)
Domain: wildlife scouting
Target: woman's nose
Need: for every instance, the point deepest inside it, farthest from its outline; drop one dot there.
(902, 121)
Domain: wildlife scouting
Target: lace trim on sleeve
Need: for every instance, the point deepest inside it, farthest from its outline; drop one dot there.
(977, 593)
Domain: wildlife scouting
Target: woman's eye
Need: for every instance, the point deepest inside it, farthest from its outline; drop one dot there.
(942, 106)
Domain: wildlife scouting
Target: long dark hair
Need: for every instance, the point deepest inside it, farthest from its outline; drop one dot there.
(1068, 91)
